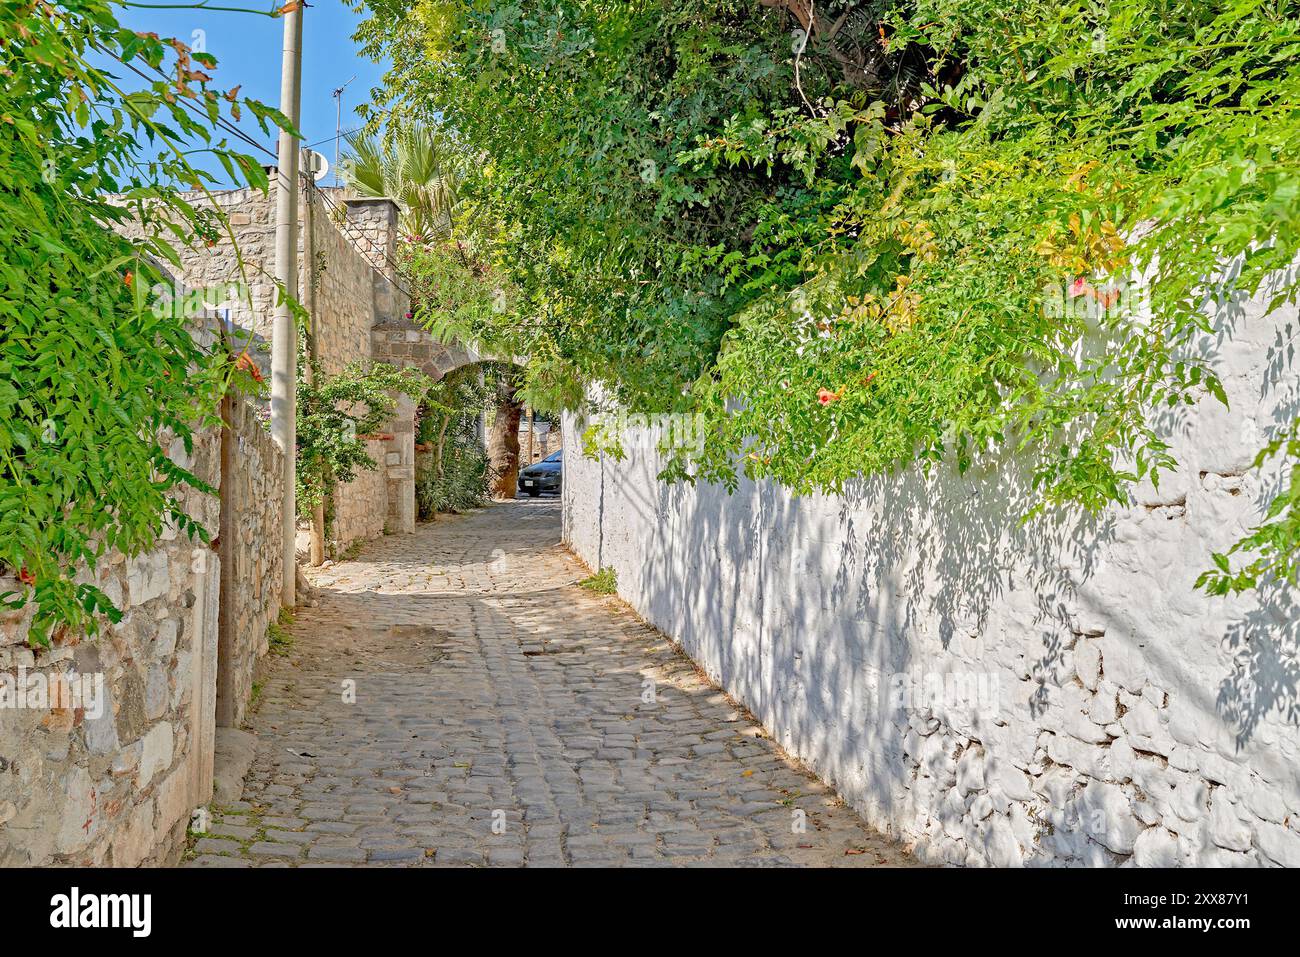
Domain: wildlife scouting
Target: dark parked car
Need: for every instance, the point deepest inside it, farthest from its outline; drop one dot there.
(543, 476)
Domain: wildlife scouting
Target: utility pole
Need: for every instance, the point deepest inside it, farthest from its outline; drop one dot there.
(338, 124)
(284, 335)
(309, 303)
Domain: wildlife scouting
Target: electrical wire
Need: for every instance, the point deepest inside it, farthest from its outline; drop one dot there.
(353, 234)
(221, 122)
(350, 230)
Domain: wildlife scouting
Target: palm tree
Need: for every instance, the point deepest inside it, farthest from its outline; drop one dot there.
(418, 168)
(422, 169)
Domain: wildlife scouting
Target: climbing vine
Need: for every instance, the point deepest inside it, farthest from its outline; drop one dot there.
(335, 415)
(453, 474)
(857, 234)
(95, 379)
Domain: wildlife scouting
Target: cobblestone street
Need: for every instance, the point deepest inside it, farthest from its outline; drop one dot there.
(502, 717)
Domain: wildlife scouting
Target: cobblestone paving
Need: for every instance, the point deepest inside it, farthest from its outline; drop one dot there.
(500, 718)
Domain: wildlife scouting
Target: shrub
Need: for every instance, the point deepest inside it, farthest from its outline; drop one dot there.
(462, 484)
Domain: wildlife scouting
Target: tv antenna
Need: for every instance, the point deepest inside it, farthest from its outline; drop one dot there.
(338, 124)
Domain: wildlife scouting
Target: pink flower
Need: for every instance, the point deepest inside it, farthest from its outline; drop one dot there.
(1078, 287)
(826, 396)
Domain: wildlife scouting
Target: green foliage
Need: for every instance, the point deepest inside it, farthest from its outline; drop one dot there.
(578, 111)
(455, 474)
(604, 582)
(454, 293)
(418, 168)
(462, 483)
(850, 261)
(93, 379)
(335, 414)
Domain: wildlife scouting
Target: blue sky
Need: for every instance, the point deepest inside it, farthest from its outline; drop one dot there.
(247, 49)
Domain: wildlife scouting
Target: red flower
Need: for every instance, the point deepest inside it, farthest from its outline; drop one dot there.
(1078, 287)
(26, 577)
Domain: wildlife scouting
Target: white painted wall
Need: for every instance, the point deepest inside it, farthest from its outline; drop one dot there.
(1124, 716)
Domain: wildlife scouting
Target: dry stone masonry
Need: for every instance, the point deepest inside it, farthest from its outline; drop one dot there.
(111, 778)
(111, 774)
(359, 314)
(361, 506)
(995, 693)
(254, 490)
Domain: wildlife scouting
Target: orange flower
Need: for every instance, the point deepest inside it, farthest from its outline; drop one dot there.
(128, 278)
(826, 396)
(245, 363)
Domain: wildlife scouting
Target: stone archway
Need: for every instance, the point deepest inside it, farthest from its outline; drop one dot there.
(499, 425)
(404, 344)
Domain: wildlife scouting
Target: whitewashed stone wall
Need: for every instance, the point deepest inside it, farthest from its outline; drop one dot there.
(1097, 710)
(117, 787)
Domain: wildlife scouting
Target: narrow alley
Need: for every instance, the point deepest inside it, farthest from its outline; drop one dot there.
(455, 697)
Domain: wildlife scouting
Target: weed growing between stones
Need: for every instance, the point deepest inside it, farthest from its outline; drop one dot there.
(604, 582)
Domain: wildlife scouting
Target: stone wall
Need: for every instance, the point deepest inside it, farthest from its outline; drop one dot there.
(347, 285)
(215, 273)
(371, 225)
(401, 343)
(344, 310)
(253, 490)
(351, 288)
(361, 506)
(992, 692)
(111, 778)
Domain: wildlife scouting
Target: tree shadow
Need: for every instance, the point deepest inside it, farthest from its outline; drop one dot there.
(806, 608)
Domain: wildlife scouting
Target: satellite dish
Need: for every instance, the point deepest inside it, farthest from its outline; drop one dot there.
(316, 164)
